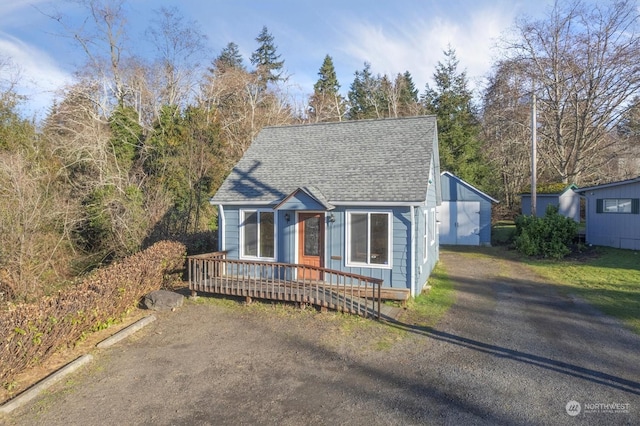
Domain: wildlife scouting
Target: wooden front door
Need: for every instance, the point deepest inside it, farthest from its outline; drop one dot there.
(310, 244)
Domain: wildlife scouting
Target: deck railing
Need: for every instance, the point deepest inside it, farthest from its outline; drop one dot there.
(327, 288)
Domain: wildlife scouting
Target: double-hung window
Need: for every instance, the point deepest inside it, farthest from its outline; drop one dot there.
(369, 238)
(258, 234)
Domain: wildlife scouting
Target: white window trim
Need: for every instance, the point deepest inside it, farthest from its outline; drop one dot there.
(348, 261)
(425, 237)
(275, 234)
(433, 226)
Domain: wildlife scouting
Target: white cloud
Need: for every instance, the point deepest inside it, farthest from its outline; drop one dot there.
(39, 75)
(418, 46)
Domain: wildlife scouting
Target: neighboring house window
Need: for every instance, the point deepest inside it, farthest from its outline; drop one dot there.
(369, 238)
(258, 233)
(617, 205)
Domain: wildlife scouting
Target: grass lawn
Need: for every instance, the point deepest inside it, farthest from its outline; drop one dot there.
(426, 309)
(609, 280)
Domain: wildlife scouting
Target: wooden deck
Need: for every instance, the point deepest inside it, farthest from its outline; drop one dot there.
(325, 288)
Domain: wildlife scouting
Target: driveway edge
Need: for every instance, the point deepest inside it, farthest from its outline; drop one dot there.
(35, 390)
(126, 332)
(55, 377)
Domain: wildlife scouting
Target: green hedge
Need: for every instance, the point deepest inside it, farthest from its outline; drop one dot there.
(547, 236)
(30, 333)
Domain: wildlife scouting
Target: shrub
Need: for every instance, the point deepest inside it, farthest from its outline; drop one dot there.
(30, 332)
(548, 236)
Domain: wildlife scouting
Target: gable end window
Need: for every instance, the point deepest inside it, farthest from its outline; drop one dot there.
(369, 239)
(258, 234)
(618, 205)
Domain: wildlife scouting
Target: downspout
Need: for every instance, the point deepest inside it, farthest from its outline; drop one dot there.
(413, 251)
(222, 243)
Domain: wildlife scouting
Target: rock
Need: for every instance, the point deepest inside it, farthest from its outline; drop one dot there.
(162, 300)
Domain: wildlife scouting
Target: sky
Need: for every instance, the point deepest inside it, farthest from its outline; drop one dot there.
(393, 36)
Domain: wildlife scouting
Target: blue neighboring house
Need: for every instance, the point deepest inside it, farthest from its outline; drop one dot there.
(567, 201)
(464, 218)
(613, 214)
(355, 196)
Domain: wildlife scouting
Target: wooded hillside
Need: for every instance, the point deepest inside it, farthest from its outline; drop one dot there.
(131, 153)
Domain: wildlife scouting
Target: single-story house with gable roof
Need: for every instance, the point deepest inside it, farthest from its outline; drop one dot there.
(464, 217)
(613, 214)
(567, 200)
(355, 196)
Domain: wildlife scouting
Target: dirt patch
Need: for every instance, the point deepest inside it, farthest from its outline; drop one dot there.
(510, 351)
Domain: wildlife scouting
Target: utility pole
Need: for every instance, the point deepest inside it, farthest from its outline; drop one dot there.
(534, 160)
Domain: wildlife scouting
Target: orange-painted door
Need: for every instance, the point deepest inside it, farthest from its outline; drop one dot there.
(310, 244)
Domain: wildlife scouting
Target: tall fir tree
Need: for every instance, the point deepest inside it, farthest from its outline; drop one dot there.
(365, 95)
(407, 95)
(266, 60)
(229, 58)
(326, 103)
(458, 128)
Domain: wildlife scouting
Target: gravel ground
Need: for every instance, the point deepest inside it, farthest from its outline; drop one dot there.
(512, 350)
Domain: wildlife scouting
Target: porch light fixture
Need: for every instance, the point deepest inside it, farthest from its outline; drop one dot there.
(287, 217)
(332, 218)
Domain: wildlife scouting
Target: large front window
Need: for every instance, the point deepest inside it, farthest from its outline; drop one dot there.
(258, 232)
(369, 238)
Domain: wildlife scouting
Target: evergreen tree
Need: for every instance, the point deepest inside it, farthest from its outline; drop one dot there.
(229, 58)
(183, 163)
(365, 95)
(407, 95)
(458, 127)
(126, 135)
(266, 60)
(326, 103)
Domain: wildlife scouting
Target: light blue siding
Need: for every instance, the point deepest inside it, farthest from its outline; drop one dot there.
(424, 267)
(455, 189)
(404, 250)
(567, 202)
(231, 228)
(301, 201)
(620, 230)
(336, 237)
(396, 276)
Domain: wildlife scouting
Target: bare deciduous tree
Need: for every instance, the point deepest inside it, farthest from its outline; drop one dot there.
(179, 45)
(583, 62)
(506, 129)
(238, 101)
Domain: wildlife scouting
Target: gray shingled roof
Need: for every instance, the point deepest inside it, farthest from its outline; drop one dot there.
(368, 160)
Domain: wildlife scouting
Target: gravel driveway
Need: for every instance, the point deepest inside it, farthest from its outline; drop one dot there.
(512, 350)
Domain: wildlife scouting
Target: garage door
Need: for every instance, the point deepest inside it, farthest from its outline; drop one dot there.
(459, 222)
